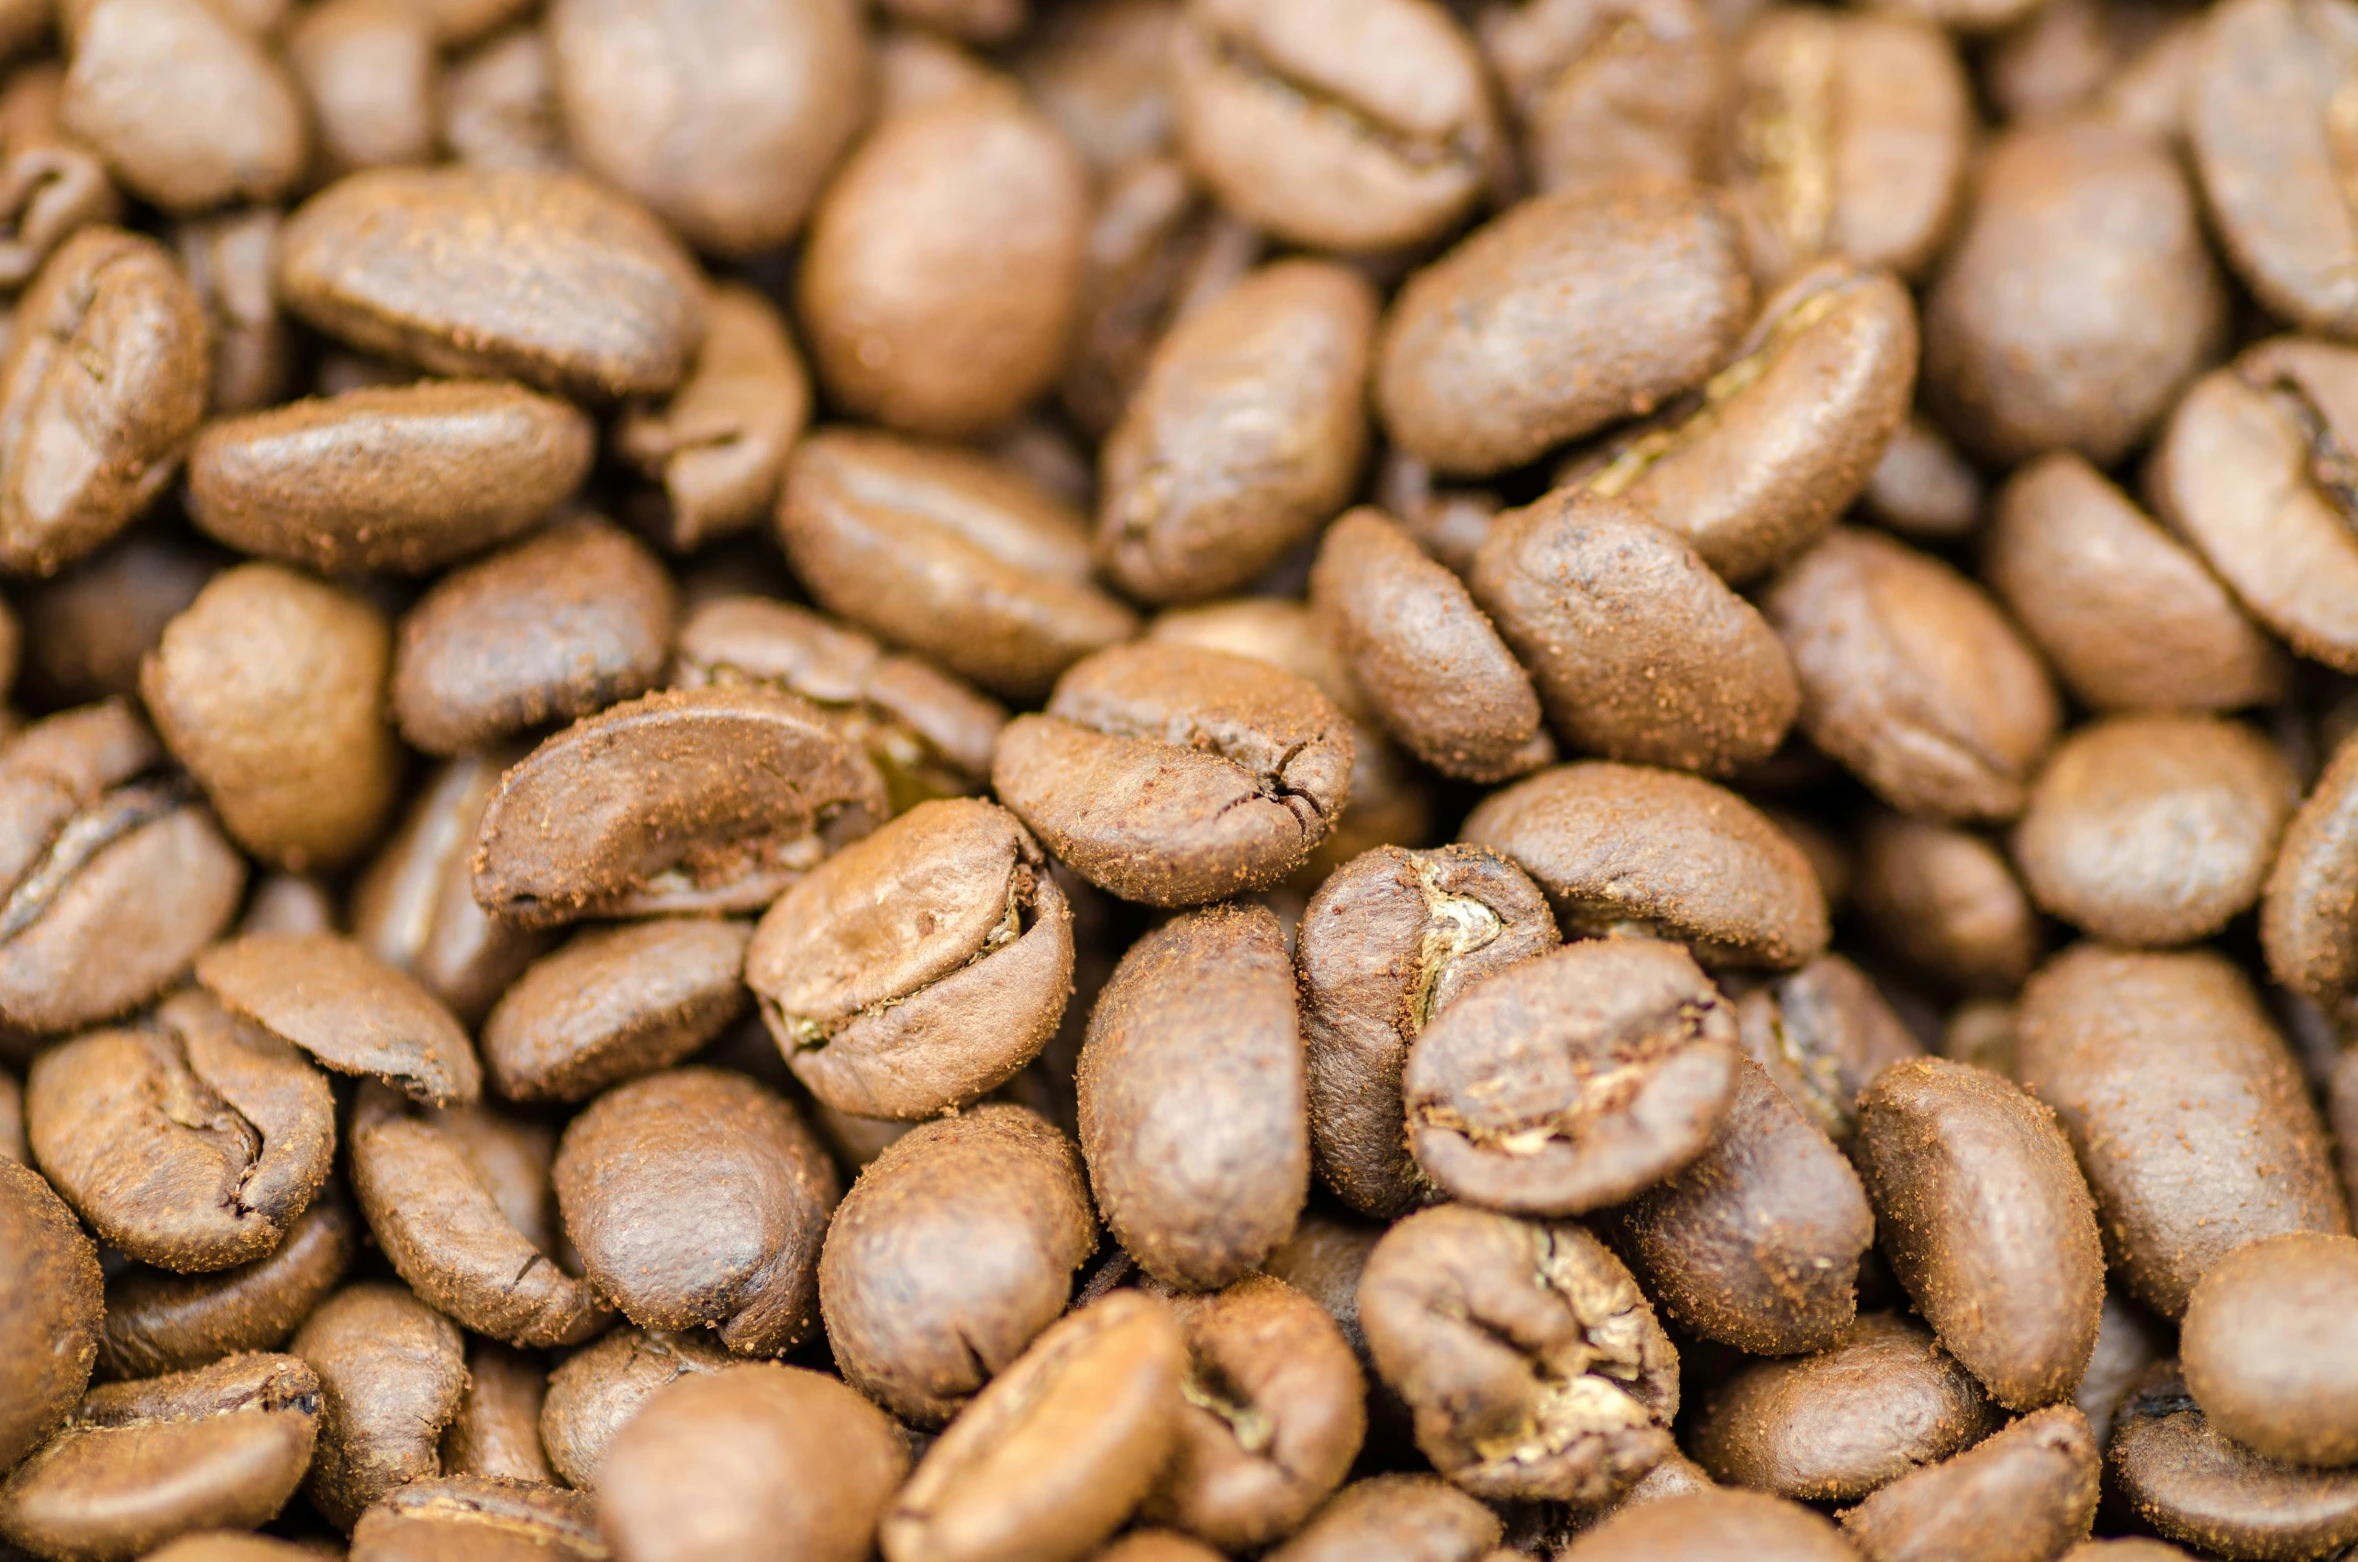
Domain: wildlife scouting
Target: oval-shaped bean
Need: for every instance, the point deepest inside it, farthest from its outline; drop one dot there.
(1708, 1526)
(159, 1322)
(2199, 1487)
(2027, 1491)
(613, 1004)
(51, 1310)
(595, 1391)
(348, 1010)
(476, 1515)
(1944, 900)
(390, 1373)
(2266, 1347)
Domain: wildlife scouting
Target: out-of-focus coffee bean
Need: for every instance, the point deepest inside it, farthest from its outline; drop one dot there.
(228, 260)
(1245, 435)
(496, 1433)
(1100, 70)
(499, 104)
(2185, 1108)
(86, 630)
(613, 1004)
(2128, 1341)
(2028, 1491)
(1640, 282)
(158, 1322)
(12, 1120)
(596, 1390)
(350, 1011)
(1706, 1526)
(467, 1516)
(1448, 522)
(2264, 1348)
(51, 184)
(1944, 900)
(2192, 1483)
(1533, 1362)
(390, 1373)
(368, 69)
(1923, 488)
(52, 1309)
(234, 1546)
(1604, 88)
(1395, 1518)
(406, 477)
(288, 903)
(1823, 1033)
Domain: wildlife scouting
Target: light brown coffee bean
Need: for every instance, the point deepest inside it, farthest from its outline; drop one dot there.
(52, 1308)
(1101, 71)
(2263, 1352)
(615, 1003)
(1945, 902)
(159, 1322)
(2193, 1484)
(51, 183)
(351, 1012)
(2026, 1492)
(231, 1546)
(499, 104)
(469, 1516)
(1396, 1518)
(496, 1433)
(1923, 488)
(390, 1373)
(1604, 88)
(368, 69)
(1705, 1526)
(12, 1120)
(228, 261)
(597, 1389)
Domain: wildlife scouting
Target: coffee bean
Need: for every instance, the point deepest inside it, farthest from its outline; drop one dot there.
(288, 903)
(391, 1371)
(1841, 1424)
(2028, 1491)
(1945, 901)
(499, 105)
(159, 1322)
(543, 277)
(2185, 1108)
(54, 183)
(1640, 282)
(86, 630)
(696, 800)
(407, 477)
(1823, 1033)
(224, 1546)
(12, 1120)
(1245, 435)
(1603, 90)
(228, 261)
(953, 556)
(1447, 521)
(367, 68)
(1625, 848)
(1705, 1526)
(1049, 1459)
(349, 1011)
(1191, 1097)
(2193, 1484)
(138, 1464)
(2128, 1340)
(613, 1004)
(474, 1518)
(594, 1392)
(51, 1312)
(2263, 1351)
(496, 1433)
(1395, 1518)
(1533, 1363)
(1640, 652)
(1388, 942)
(1926, 491)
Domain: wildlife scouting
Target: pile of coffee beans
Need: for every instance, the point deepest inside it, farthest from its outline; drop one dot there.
(1158, 780)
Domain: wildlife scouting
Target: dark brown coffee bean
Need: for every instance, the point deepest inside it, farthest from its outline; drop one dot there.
(1640, 652)
(111, 874)
(920, 968)
(51, 1311)
(1709, 1526)
(1640, 282)
(1390, 940)
(2193, 1484)
(499, 104)
(1191, 1097)
(189, 110)
(731, 158)
(406, 477)
(1624, 848)
(1987, 1223)
(1845, 135)
(951, 555)
(600, 1387)
(2128, 1340)
(1823, 1033)
(696, 800)
(1923, 488)
(1049, 1459)
(424, 264)
(103, 382)
(1395, 1518)
(348, 1010)
(86, 630)
(2155, 829)
(496, 1432)
(1245, 435)
(158, 1322)
(2128, 616)
(391, 1371)
(1944, 900)
(697, 1198)
(1448, 521)
(368, 69)
(2265, 121)
(138, 1464)
(2185, 1108)
(471, 1517)
(1606, 88)
(616, 1003)
(1534, 1365)
(2266, 1351)
(2078, 301)
(1756, 1242)
(1176, 776)
(2021, 1496)
(1912, 678)
(1573, 1080)
(942, 268)
(1880, 1401)
(270, 688)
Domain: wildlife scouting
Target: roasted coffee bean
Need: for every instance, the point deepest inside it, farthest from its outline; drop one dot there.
(1606, 88)
(349, 1011)
(1389, 941)
(12, 1120)
(51, 184)
(1881, 1400)
(1944, 900)
(2128, 1340)
(1923, 489)
(138, 1464)
(1624, 848)
(696, 800)
(942, 268)
(1533, 1363)
(2264, 1349)
(1192, 1097)
(1176, 776)
(1573, 1080)
(158, 1322)
(51, 1312)
(1639, 651)
(1246, 433)
(1756, 1242)
(368, 69)
(2306, 921)
(1987, 1223)
(953, 556)
(86, 630)
(594, 1392)
(406, 477)
(975, 21)
(288, 903)
(230, 1546)
(2061, 58)
(543, 277)
(1049, 1459)
(102, 384)
(2185, 1108)
(2193, 1484)
(1448, 521)
(270, 688)
(2021, 1496)
(496, 1432)
(499, 105)
(1845, 135)
(1823, 1033)
(731, 158)
(1639, 282)
(228, 260)
(112, 875)
(2148, 830)
(1396, 1518)
(191, 1143)
(697, 1198)
(950, 1254)
(471, 1516)
(390, 1372)
(1912, 679)
(1705, 1526)
(2129, 617)
(920, 968)
(613, 1004)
